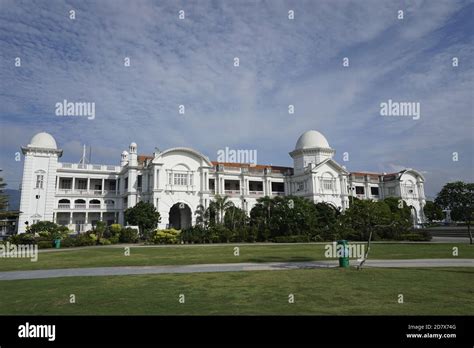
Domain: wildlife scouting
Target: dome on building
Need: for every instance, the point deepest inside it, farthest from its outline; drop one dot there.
(311, 139)
(43, 140)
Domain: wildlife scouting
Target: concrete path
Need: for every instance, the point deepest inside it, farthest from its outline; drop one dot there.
(226, 267)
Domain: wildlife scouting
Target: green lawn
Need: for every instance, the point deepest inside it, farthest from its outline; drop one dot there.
(179, 255)
(440, 291)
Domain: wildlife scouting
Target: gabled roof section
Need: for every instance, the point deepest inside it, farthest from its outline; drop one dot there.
(330, 161)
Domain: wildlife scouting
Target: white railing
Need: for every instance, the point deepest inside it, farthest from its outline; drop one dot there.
(232, 192)
(64, 206)
(85, 192)
(79, 206)
(278, 193)
(232, 169)
(94, 206)
(255, 192)
(95, 167)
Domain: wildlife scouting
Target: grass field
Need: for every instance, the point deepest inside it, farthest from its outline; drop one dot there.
(317, 291)
(179, 255)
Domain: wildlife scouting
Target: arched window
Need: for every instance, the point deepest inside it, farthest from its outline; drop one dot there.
(64, 204)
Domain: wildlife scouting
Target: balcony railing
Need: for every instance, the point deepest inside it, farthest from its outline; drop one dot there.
(232, 192)
(278, 193)
(94, 167)
(85, 192)
(82, 206)
(257, 193)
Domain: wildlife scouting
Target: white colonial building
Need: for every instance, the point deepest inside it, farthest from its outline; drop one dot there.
(180, 179)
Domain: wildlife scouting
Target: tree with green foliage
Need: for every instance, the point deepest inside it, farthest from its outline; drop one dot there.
(219, 206)
(235, 218)
(144, 215)
(3, 196)
(202, 215)
(281, 217)
(364, 217)
(432, 211)
(459, 198)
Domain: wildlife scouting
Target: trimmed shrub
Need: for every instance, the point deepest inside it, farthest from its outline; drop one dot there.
(23, 238)
(85, 239)
(416, 237)
(112, 233)
(128, 235)
(44, 244)
(169, 236)
(69, 242)
(104, 241)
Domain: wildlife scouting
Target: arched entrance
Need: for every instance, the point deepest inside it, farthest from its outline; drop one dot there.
(180, 216)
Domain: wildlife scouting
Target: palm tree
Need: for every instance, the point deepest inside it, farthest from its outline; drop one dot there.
(202, 215)
(220, 205)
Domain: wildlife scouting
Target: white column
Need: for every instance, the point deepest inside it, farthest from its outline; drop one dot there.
(88, 184)
(73, 184)
(103, 184)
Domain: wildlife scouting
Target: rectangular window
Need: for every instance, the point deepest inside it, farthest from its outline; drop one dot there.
(328, 185)
(360, 190)
(81, 184)
(180, 179)
(139, 181)
(212, 184)
(65, 184)
(300, 186)
(374, 191)
(39, 181)
(126, 184)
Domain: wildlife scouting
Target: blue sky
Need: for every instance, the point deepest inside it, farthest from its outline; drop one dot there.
(282, 62)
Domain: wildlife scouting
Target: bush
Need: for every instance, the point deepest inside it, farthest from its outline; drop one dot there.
(85, 239)
(416, 237)
(23, 238)
(44, 244)
(128, 235)
(169, 236)
(115, 229)
(69, 242)
(300, 238)
(104, 241)
(112, 233)
(220, 233)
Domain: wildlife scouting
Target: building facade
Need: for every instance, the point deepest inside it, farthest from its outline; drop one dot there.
(180, 179)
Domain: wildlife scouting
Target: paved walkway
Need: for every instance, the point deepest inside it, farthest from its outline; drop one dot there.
(226, 267)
